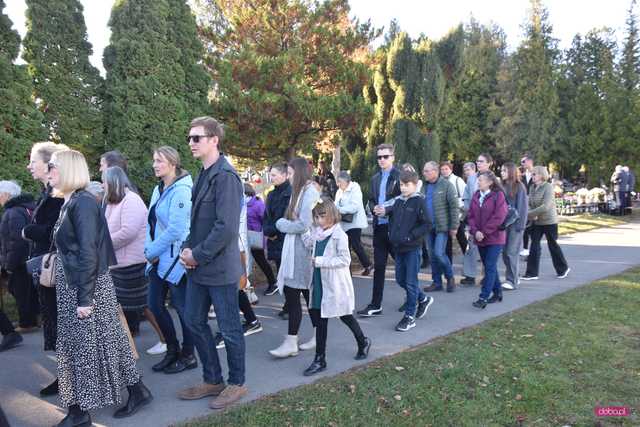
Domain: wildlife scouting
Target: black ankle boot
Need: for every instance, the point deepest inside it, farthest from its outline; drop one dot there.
(495, 298)
(76, 418)
(184, 362)
(481, 303)
(319, 364)
(170, 357)
(139, 396)
(50, 390)
(363, 350)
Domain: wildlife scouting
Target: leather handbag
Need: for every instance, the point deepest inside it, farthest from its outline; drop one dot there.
(42, 268)
(510, 219)
(346, 217)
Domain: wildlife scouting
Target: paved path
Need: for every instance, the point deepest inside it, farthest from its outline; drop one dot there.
(592, 255)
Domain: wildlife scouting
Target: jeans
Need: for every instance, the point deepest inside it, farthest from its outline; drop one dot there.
(511, 255)
(381, 251)
(355, 243)
(440, 263)
(225, 303)
(491, 282)
(158, 289)
(407, 268)
(261, 260)
(26, 296)
(322, 329)
(551, 233)
(6, 327)
(470, 260)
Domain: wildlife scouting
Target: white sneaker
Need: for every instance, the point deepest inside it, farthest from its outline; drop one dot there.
(212, 313)
(565, 274)
(289, 347)
(309, 345)
(524, 252)
(508, 286)
(159, 348)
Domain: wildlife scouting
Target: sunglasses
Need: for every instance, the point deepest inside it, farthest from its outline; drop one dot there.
(50, 166)
(385, 156)
(196, 138)
(523, 161)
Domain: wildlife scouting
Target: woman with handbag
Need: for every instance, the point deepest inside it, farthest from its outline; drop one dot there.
(255, 237)
(516, 194)
(167, 227)
(354, 219)
(487, 213)
(39, 234)
(95, 360)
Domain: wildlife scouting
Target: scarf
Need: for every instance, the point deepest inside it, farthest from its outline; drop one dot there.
(320, 234)
(287, 264)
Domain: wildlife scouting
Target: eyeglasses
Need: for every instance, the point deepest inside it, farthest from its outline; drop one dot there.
(50, 166)
(196, 138)
(385, 156)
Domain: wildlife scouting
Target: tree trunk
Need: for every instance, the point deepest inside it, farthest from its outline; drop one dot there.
(335, 163)
(291, 153)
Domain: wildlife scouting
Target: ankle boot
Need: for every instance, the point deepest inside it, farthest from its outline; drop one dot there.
(76, 418)
(363, 349)
(495, 298)
(139, 396)
(319, 364)
(288, 348)
(311, 344)
(51, 389)
(170, 357)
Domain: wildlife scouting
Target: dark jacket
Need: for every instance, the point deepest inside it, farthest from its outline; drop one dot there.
(393, 189)
(277, 202)
(44, 218)
(527, 184)
(408, 223)
(13, 248)
(217, 200)
(488, 218)
(84, 244)
(445, 205)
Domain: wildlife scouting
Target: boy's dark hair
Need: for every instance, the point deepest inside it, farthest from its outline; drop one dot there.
(281, 167)
(115, 158)
(386, 146)
(409, 176)
(249, 190)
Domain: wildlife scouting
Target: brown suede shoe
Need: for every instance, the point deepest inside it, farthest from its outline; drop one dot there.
(231, 394)
(201, 390)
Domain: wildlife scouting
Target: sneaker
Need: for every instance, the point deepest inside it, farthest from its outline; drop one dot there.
(468, 281)
(565, 274)
(27, 329)
(406, 323)
(524, 252)
(201, 390)
(403, 307)
(451, 284)
(251, 328)
(230, 395)
(283, 315)
(10, 340)
(212, 313)
(423, 306)
(370, 311)
(219, 341)
(432, 288)
(366, 271)
(508, 286)
(527, 277)
(159, 348)
(271, 290)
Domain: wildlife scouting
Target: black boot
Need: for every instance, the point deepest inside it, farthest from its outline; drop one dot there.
(170, 357)
(319, 364)
(76, 418)
(139, 395)
(184, 362)
(495, 298)
(481, 303)
(363, 349)
(51, 389)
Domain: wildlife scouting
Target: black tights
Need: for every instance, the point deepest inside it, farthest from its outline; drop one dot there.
(294, 308)
(322, 326)
(245, 307)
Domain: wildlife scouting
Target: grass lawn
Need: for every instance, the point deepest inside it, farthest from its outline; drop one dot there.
(548, 364)
(586, 222)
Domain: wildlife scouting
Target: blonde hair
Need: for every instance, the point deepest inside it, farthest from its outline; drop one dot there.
(325, 206)
(46, 149)
(542, 172)
(72, 169)
(171, 155)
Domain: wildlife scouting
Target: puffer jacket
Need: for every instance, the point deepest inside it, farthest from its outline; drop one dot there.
(350, 201)
(277, 203)
(17, 214)
(445, 206)
(542, 205)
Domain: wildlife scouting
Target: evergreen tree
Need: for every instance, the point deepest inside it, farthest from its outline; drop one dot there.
(630, 61)
(67, 87)
(155, 83)
(21, 121)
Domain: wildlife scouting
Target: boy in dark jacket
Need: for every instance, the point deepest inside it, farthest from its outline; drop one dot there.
(408, 226)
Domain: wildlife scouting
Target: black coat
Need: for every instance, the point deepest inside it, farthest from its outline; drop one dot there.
(40, 230)
(217, 199)
(84, 244)
(409, 223)
(13, 248)
(393, 189)
(277, 203)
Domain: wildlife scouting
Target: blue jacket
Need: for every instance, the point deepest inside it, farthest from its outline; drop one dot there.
(173, 216)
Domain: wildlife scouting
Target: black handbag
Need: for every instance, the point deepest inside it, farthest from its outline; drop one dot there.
(347, 217)
(510, 219)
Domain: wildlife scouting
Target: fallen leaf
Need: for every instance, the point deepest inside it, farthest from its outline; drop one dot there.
(526, 336)
(397, 397)
(352, 388)
(518, 397)
(485, 379)
(399, 368)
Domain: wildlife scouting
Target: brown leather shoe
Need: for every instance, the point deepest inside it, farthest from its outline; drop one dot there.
(230, 395)
(201, 390)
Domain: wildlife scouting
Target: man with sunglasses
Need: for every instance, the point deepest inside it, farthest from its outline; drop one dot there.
(212, 259)
(526, 167)
(385, 185)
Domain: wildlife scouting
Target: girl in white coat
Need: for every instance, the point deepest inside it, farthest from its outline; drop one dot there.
(331, 286)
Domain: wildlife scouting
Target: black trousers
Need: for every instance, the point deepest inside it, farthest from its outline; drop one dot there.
(245, 307)
(322, 327)
(525, 238)
(294, 307)
(261, 260)
(355, 242)
(381, 250)
(461, 237)
(26, 295)
(551, 233)
(6, 327)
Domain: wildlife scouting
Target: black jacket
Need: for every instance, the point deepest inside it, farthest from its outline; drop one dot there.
(215, 225)
(84, 244)
(277, 202)
(409, 223)
(393, 189)
(44, 218)
(13, 248)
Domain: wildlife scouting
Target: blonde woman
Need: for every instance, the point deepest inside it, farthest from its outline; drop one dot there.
(95, 360)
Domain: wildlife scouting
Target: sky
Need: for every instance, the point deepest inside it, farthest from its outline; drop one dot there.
(433, 18)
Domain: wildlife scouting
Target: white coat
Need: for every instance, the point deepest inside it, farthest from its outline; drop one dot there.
(338, 297)
(350, 202)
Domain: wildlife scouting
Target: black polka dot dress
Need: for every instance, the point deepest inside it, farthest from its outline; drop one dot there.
(95, 361)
